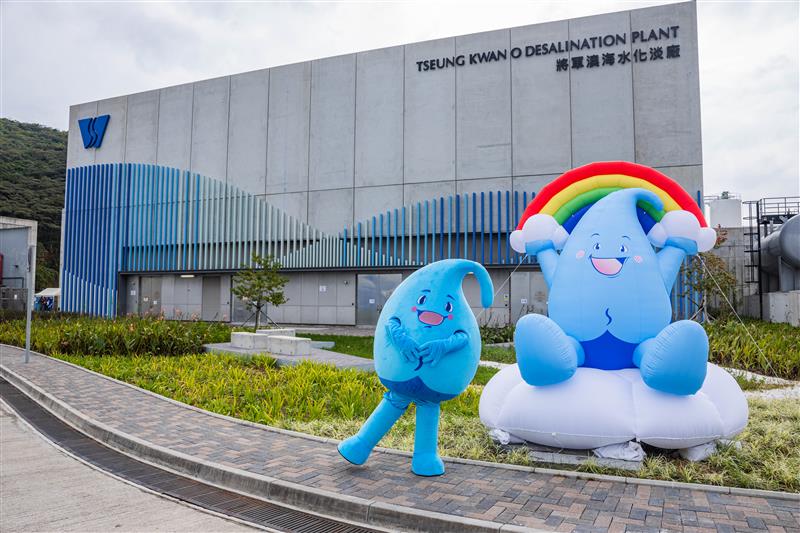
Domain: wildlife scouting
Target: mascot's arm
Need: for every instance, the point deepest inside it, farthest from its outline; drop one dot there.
(539, 237)
(546, 254)
(433, 351)
(671, 257)
(399, 337)
(680, 234)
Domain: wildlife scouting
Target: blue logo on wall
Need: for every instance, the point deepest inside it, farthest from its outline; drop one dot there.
(92, 130)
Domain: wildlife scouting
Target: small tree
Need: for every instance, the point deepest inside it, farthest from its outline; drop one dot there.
(711, 280)
(260, 284)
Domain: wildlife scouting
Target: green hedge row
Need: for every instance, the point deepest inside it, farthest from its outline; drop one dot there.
(121, 336)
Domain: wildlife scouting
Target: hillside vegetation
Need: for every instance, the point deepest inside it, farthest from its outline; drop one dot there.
(33, 160)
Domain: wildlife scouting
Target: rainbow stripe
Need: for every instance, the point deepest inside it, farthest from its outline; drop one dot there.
(570, 195)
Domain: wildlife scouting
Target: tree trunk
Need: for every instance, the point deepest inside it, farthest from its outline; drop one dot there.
(258, 315)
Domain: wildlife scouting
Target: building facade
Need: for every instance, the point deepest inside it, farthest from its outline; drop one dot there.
(354, 170)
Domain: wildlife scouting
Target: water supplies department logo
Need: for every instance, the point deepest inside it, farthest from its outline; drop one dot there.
(92, 130)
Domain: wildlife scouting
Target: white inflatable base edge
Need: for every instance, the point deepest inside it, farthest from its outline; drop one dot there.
(596, 408)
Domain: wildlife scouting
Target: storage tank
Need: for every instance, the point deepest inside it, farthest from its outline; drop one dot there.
(780, 256)
(725, 212)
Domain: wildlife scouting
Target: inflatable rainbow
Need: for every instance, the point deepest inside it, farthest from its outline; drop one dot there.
(570, 195)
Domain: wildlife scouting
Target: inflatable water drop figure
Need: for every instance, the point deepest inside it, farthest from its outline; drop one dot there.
(607, 365)
(427, 348)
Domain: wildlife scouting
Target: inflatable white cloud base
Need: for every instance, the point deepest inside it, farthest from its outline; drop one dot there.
(596, 408)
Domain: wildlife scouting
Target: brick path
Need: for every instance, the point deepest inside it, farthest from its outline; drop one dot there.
(484, 492)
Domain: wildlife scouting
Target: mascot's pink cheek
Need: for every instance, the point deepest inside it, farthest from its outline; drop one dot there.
(637, 258)
(449, 317)
(414, 308)
(580, 254)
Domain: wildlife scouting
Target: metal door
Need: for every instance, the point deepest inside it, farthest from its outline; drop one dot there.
(372, 291)
(150, 303)
(131, 296)
(210, 309)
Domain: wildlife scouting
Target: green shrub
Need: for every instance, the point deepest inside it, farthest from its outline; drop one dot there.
(497, 334)
(779, 353)
(120, 336)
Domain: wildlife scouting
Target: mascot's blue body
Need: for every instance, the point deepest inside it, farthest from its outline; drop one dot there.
(609, 303)
(427, 348)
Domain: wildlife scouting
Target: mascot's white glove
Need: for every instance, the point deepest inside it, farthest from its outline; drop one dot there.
(538, 229)
(678, 226)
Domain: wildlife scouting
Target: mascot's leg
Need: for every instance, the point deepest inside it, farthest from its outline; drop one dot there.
(675, 360)
(426, 461)
(545, 354)
(357, 448)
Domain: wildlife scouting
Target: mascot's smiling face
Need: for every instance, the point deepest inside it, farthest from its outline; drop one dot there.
(432, 311)
(608, 253)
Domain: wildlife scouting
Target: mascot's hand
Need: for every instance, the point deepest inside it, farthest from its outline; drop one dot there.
(539, 233)
(401, 340)
(682, 230)
(433, 351)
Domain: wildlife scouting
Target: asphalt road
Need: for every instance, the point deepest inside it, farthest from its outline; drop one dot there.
(43, 489)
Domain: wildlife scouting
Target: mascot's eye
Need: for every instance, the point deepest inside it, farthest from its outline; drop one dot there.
(623, 248)
(421, 299)
(448, 307)
(597, 246)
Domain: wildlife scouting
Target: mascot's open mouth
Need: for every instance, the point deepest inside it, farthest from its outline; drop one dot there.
(430, 318)
(608, 266)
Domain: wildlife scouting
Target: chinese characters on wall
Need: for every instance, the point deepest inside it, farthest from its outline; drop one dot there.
(640, 55)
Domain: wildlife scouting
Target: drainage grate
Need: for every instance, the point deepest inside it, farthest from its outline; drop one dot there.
(206, 496)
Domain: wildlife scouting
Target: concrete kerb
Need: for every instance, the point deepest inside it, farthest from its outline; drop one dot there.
(350, 508)
(538, 470)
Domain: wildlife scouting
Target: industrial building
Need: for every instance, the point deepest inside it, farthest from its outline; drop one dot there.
(354, 170)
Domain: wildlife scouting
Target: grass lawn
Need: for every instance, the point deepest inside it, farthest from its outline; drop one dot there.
(322, 400)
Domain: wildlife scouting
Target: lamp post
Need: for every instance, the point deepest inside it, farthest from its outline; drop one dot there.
(29, 303)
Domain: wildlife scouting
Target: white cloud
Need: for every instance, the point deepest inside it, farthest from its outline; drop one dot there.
(57, 54)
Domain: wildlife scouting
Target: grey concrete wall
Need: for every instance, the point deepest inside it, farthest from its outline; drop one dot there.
(316, 298)
(247, 131)
(368, 132)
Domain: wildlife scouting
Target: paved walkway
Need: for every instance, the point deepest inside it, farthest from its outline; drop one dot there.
(45, 490)
(318, 355)
(516, 496)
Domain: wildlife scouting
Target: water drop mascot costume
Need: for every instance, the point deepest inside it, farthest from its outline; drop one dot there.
(427, 348)
(609, 308)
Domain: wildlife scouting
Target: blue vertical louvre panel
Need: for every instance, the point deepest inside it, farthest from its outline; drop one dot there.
(491, 228)
(474, 227)
(380, 243)
(196, 214)
(441, 228)
(499, 228)
(433, 232)
(426, 231)
(138, 218)
(450, 227)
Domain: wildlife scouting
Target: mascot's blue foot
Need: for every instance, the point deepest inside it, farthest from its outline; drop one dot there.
(357, 448)
(675, 360)
(546, 355)
(426, 461)
(354, 450)
(427, 464)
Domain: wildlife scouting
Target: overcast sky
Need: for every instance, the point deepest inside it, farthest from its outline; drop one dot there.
(57, 54)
